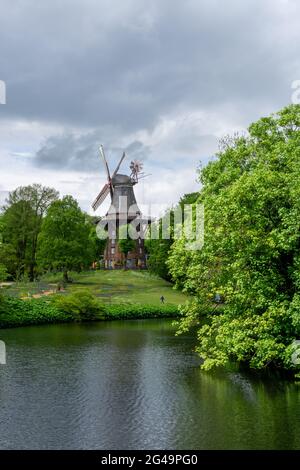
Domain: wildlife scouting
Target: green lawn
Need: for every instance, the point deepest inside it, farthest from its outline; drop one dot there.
(127, 287)
(112, 287)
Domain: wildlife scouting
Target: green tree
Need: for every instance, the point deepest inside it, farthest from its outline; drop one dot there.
(159, 248)
(18, 226)
(64, 242)
(251, 255)
(96, 244)
(21, 224)
(3, 273)
(126, 244)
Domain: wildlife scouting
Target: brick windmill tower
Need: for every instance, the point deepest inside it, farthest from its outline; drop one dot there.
(122, 211)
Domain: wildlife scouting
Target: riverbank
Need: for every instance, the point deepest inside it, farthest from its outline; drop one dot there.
(17, 312)
(92, 296)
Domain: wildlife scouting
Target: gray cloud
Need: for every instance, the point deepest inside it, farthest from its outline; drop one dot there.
(94, 63)
(162, 80)
(81, 152)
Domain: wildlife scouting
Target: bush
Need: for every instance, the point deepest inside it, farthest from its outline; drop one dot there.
(136, 311)
(16, 312)
(81, 306)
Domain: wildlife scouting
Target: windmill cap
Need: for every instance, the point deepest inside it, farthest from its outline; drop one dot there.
(121, 179)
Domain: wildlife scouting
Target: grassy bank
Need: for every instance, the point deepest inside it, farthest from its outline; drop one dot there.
(111, 287)
(102, 295)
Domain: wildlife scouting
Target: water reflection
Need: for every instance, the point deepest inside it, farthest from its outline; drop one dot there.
(134, 385)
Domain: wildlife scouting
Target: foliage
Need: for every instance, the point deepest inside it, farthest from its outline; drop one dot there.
(159, 248)
(20, 225)
(3, 273)
(63, 243)
(158, 251)
(126, 244)
(251, 255)
(136, 311)
(96, 244)
(82, 306)
(16, 312)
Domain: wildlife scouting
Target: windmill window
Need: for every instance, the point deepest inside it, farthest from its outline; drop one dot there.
(112, 251)
(113, 241)
(140, 241)
(141, 251)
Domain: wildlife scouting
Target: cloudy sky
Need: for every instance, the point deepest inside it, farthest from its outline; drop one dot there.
(162, 79)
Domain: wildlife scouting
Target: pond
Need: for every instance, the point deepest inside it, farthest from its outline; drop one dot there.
(134, 385)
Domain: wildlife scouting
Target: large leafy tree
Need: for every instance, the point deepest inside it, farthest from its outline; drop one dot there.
(158, 248)
(21, 223)
(64, 242)
(96, 244)
(18, 221)
(251, 256)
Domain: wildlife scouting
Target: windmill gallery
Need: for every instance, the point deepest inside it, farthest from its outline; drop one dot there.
(123, 210)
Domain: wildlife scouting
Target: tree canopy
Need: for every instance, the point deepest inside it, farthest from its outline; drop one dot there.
(64, 240)
(251, 253)
(20, 225)
(158, 248)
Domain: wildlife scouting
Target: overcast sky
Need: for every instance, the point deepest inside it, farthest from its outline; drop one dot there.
(162, 79)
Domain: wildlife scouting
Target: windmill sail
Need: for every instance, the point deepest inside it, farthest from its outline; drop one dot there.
(101, 196)
(107, 171)
(117, 169)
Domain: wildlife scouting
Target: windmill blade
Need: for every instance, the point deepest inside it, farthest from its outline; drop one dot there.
(101, 196)
(105, 162)
(120, 162)
(107, 170)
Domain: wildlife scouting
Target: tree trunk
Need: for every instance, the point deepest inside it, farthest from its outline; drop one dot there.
(33, 259)
(66, 277)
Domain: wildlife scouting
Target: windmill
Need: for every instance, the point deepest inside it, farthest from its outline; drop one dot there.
(108, 187)
(123, 209)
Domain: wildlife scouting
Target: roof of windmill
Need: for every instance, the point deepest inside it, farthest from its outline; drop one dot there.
(121, 179)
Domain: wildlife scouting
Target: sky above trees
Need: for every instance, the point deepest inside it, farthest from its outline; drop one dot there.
(163, 80)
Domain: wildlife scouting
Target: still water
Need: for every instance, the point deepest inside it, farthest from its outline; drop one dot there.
(134, 385)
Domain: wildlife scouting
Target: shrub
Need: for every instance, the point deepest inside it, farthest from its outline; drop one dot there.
(81, 306)
(137, 311)
(17, 312)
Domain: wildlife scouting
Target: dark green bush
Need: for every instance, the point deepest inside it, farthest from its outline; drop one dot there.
(16, 312)
(80, 306)
(136, 311)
